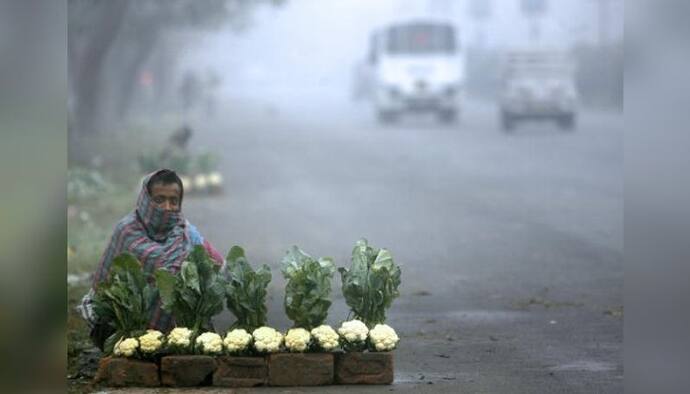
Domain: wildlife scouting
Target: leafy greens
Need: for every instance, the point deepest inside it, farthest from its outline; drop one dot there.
(194, 294)
(125, 299)
(245, 291)
(371, 284)
(308, 288)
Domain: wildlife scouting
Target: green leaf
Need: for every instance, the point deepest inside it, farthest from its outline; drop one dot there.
(308, 287)
(190, 275)
(195, 293)
(125, 298)
(110, 342)
(198, 254)
(235, 253)
(166, 286)
(245, 290)
(371, 284)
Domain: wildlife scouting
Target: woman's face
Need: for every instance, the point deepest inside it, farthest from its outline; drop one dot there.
(166, 196)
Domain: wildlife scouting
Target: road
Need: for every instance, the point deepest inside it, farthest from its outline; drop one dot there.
(510, 244)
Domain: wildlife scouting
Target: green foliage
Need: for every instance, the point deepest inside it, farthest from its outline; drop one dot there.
(245, 291)
(90, 219)
(308, 288)
(371, 284)
(125, 299)
(195, 294)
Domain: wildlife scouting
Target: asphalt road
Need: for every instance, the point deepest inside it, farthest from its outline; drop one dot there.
(510, 244)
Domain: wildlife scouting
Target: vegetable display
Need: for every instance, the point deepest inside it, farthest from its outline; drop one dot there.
(308, 288)
(354, 335)
(125, 300)
(245, 290)
(371, 283)
(383, 338)
(267, 340)
(194, 294)
(237, 341)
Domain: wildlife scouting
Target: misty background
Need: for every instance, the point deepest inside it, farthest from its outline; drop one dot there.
(510, 242)
(134, 60)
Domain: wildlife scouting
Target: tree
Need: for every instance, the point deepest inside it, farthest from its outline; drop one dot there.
(109, 41)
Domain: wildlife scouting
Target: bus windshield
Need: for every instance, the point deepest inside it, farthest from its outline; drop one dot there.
(421, 38)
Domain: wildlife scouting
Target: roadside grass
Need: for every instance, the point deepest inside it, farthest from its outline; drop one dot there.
(98, 195)
(102, 188)
(89, 225)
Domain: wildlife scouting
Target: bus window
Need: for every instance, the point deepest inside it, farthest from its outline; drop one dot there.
(416, 39)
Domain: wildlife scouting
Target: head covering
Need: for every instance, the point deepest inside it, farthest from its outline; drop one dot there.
(158, 222)
(156, 237)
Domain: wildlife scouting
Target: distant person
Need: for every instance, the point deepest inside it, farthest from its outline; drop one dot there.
(180, 137)
(177, 144)
(157, 234)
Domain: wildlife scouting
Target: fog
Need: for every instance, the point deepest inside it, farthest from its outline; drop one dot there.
(310, 47)
(510, 238)
(481, 145)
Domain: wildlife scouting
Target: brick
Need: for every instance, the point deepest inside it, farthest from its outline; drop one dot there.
(364, 368)
(241, 371)
(121, 372)
(187, 371)
(300, 369)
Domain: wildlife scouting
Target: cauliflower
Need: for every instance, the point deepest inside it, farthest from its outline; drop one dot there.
(210, 343)
(180, 337)
(126, 347)
(326, 337)
(151, 341)
(383, 337)
(353, 331)
(297, 339)
(267, 339)
(237, 340)
(215, 179)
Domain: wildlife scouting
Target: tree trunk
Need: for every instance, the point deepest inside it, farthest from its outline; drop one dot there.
(89, 66)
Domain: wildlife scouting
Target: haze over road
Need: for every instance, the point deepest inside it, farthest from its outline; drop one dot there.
(510, 244)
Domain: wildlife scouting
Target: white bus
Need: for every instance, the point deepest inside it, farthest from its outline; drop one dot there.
(414, 66)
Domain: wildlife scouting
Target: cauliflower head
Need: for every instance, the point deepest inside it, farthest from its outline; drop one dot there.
(297, 339)
(151, 341)
(266, 339)
(326, 337)
(210, 343)
(180, 336)
(126, 347)
(354, 331)
(237, 340)
(383, 337)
